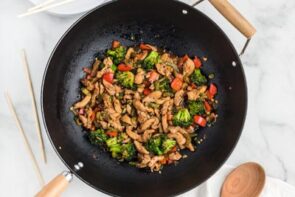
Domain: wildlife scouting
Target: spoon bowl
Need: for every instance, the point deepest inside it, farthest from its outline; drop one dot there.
(247, 180)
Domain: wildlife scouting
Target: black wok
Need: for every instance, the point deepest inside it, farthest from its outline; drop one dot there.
(165, 23)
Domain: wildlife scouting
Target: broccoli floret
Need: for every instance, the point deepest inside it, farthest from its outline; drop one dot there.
(154, 145)
(128, 151)
(114, 147)
(196, 107)
(168, 144)
(150, 61)
(198, 78)
(182, 118)
(163, 85)
(126, 79)
(97, 137)
(117, 54)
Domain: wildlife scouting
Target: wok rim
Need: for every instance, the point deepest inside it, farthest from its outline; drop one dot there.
(72, 169)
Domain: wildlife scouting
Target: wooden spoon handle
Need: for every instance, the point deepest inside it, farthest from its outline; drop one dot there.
(234, 17)
(56, 186)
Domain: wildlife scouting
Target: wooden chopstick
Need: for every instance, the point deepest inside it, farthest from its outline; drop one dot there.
(35, 112)
(45, 3)
(27, 144)
(45, 8)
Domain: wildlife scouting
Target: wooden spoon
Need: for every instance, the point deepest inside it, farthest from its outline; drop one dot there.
(247, 180)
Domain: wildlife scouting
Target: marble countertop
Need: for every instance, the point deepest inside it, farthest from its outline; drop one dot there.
(269, 132)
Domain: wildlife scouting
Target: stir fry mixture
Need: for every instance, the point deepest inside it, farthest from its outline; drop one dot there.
(144, 104)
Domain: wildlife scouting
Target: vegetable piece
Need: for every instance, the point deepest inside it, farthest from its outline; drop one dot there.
(185, 58)
(200, 120)
(144, 47)
(182, 118)
(117, 54)
(126, 79)
(150, 61)
(198, 78)
(212, 89)
(163, 85)
(154, 145)
(197, 62)
(153, 76)
(196, 107)
(208, 107)
(146, 91)
(168, 144)
(112, 133)
(176, 84)
(128, 151)
(114, 147)
(114, 67)
(115, 44)
(108, 76)
(124, 67)
(97, 137)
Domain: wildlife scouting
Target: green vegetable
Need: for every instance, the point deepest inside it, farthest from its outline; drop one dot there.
(198, 78)
(128, 151)
(182, 118)
(168, 144)
(114, 67)
(196, 107)
(154, 145)
(114, 147)
(150, 61)
(126, 79)
(163, 85)
(97, 137)
(117, 54)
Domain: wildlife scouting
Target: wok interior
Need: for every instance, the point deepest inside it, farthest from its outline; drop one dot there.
(132, 22)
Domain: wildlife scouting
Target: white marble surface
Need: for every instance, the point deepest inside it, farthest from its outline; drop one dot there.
(269, 132)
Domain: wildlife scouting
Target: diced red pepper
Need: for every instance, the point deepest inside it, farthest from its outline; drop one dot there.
(109, 77)
(194, 86)
(112, 133)
(200, 120)
(197, 62)
(208, 108)
(182, 60)
(164, 161)
(212, 91)
(176, 84)
(153, 76)
(146, 91)
(173, 149)
(185, 58)
(144, 47)
(92, 116)
(116, 44)
(124, 67)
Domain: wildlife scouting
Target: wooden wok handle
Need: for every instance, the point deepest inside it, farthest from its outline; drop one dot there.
(56, 186)
(234, 17)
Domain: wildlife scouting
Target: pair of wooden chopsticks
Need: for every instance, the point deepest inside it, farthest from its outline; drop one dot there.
(12, 109)
(48, 4)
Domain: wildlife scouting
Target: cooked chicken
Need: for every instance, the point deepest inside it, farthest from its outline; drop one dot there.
(178, 99)
(147, 134)
(126, 119)
(117, 105)
(195, 93)
(139, 77)
(152, 97)
(83, 103)
(129, 52)
(175, 156)
(133, 135)
(147, 124)
(140, 148)
(188, 67)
